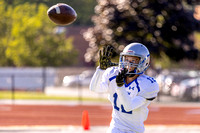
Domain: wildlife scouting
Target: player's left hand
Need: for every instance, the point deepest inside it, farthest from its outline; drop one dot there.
(121, 77)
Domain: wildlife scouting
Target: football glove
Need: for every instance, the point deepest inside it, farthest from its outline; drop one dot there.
(105, 58)
(121, 77)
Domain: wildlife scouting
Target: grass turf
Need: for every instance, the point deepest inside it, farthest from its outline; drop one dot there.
(32, 95)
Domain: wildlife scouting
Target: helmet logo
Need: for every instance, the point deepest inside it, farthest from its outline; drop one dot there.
(130, 51)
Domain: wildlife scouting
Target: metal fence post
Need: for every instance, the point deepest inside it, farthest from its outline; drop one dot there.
(198, 86)
(43, 79)
(79, 91)
(13, 87)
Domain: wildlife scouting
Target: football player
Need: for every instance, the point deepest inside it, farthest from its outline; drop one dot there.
(130, 90)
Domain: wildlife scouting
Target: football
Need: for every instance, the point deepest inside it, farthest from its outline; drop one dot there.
(62, 14)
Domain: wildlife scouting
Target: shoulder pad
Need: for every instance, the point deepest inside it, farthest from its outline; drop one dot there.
(149, 88)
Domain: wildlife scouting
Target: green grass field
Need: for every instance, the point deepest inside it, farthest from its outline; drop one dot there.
(32, 95)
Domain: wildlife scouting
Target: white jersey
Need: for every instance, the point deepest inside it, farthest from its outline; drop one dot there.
(129, 102)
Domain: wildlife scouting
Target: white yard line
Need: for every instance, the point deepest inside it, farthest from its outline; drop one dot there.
(97, 129)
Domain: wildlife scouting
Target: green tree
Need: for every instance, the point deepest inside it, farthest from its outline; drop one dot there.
(28, 38)
(164, 26)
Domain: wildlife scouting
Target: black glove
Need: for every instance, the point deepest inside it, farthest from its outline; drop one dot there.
(105, 58)
(121, 77)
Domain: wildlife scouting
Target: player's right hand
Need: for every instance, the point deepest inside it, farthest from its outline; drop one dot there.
(105, 58)
(121, 77)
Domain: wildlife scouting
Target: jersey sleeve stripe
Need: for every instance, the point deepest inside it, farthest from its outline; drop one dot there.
(110, 79)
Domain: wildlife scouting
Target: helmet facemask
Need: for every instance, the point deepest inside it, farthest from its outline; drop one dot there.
(130, 66)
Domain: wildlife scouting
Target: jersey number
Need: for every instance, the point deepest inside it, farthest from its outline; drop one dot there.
(122, 107)
(151, 79)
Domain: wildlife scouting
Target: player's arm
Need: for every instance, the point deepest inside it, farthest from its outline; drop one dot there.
(99, 82)
(136, 102)
(128, 102)
(96, 81)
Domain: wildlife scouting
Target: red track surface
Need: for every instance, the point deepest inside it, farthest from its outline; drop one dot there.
(11, 115)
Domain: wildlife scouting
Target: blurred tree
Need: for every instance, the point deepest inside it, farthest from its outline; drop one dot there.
(84, 8)
(164, 26)
(28, 38)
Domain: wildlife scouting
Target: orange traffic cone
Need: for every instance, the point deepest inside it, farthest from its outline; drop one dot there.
(85, 120)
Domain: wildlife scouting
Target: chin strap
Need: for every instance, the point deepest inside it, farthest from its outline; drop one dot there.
(131, 75)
